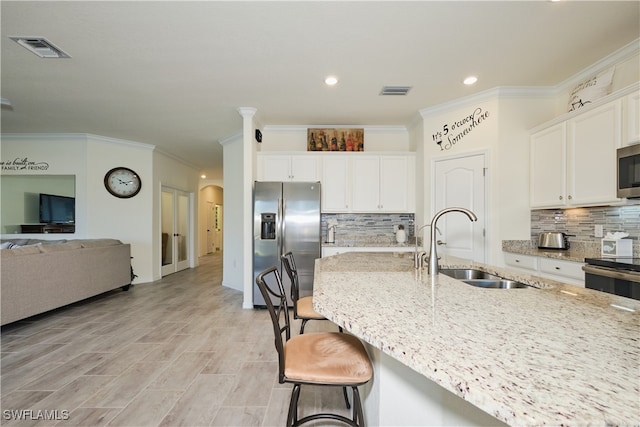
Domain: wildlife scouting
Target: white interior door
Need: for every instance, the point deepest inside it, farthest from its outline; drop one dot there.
(176, 211)
(460, 182)
(210, 227)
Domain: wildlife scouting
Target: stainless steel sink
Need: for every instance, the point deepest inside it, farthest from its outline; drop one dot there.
(496, 284)
(482, 279)
(468, 274)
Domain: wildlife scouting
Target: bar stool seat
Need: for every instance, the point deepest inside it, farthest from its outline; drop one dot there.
(305, 309)
(328, 358)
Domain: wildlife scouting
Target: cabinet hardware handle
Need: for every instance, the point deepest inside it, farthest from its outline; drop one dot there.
(570, 197)
(557, 268)
(517, 260)
(560, 197)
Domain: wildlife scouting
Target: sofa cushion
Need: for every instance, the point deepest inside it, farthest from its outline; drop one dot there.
(46, 242)
(67, 246)
(94, 243)
(21, 250)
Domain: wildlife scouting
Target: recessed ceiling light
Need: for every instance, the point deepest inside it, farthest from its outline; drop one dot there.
(331, 80)
(41, 47)
(203, 176)
(470, 80)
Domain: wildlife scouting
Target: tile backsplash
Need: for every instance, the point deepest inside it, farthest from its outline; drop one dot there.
(580, 222)
(353, 228)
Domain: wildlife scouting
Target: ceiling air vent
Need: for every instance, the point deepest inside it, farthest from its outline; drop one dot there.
(395, 90)
(41, 47)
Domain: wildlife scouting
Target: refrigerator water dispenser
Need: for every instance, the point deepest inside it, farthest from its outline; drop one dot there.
(268, 226)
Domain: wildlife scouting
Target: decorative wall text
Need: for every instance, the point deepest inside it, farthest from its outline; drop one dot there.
(453, 132)
(23, 163)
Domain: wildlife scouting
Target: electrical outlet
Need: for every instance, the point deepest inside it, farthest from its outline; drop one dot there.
(598, 231)
(395, 228)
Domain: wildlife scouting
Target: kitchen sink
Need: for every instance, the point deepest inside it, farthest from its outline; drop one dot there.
(468, 274)
(482, 279)
(496, 284)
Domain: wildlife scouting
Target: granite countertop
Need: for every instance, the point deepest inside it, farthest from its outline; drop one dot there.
(558, 355)
(577, 251)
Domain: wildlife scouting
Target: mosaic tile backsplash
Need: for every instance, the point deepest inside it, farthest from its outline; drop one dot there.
(368, 227)
(581, 222)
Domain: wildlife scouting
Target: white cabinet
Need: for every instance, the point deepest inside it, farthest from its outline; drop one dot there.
(382, 183)
(568, 269)
(592, 140)
(555, 269)
(573, 163)
(548, 167)
(336, 184)
(526, 262)
(300, 168)
(631, 118)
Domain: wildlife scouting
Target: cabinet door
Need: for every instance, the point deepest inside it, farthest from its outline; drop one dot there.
(304, 168)
(394, 184)
(592, 139)
(335, 184)
(548, 167)
(275, 168)
(366, 188)
(632, 119)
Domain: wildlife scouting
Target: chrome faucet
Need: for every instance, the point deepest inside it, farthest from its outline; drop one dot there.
(419, 258)
(433, 254)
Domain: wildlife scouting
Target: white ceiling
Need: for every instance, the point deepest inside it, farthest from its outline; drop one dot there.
(173, 74)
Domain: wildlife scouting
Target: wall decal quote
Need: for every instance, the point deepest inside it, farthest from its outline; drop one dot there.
(453, 132)
(23, 163)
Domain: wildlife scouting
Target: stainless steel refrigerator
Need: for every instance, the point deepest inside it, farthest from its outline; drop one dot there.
(286, 217)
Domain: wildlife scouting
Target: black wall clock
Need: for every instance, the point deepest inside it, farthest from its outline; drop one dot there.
(122, 182)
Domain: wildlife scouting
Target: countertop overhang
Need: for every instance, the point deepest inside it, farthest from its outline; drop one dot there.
(558, 355)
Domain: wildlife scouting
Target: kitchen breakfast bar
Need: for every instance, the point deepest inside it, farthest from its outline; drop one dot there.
(448, 353)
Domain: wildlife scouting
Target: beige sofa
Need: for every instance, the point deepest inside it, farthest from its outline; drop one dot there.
(38, 276)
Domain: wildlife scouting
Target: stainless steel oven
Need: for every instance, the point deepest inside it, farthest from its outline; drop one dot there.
(619, 276)
(629, 171)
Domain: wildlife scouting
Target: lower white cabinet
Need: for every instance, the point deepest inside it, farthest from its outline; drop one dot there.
(552, 268)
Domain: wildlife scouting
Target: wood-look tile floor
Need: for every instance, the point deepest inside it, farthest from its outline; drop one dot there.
(177, 352)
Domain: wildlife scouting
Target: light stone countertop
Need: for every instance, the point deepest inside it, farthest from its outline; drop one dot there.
(577, 251)
(560, 355)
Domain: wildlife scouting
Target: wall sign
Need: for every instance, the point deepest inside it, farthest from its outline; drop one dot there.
(452, 133)
(23, 163)
(335, 139)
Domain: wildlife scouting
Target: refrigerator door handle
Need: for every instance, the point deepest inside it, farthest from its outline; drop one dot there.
(279, 225)
(283, 229)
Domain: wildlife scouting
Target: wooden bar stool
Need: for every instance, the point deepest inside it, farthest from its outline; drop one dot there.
(320, 359)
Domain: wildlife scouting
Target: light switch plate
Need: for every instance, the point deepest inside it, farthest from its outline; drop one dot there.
(598, 231)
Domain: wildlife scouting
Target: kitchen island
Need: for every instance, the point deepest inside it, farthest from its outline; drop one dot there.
(446, 352)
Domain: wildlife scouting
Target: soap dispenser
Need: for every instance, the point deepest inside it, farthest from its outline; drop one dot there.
(401, 235)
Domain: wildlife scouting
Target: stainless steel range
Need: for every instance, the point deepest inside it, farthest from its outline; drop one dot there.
(619, 276)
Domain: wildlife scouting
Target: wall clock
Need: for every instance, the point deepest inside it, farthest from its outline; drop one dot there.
(122, 182)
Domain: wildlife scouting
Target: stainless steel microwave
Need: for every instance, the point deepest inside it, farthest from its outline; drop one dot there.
(629, 172)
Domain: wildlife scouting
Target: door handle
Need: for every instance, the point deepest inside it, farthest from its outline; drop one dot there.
(440, 242)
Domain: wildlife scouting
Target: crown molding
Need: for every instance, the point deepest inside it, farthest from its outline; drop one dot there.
(621, 55)
(231, 138)
(300, 128)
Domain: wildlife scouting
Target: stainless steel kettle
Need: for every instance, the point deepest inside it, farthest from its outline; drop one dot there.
(553, 240)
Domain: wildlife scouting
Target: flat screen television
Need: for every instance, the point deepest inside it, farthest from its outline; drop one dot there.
(57, 209)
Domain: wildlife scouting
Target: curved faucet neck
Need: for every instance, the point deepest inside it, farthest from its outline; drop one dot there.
(433, 254)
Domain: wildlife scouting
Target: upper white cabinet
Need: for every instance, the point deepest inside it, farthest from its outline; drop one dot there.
(631, 118)
(351, 182)
(336, 188)
(593, 138)
(382, 183)
(573, 163)
(300, 168)
(548, 167)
